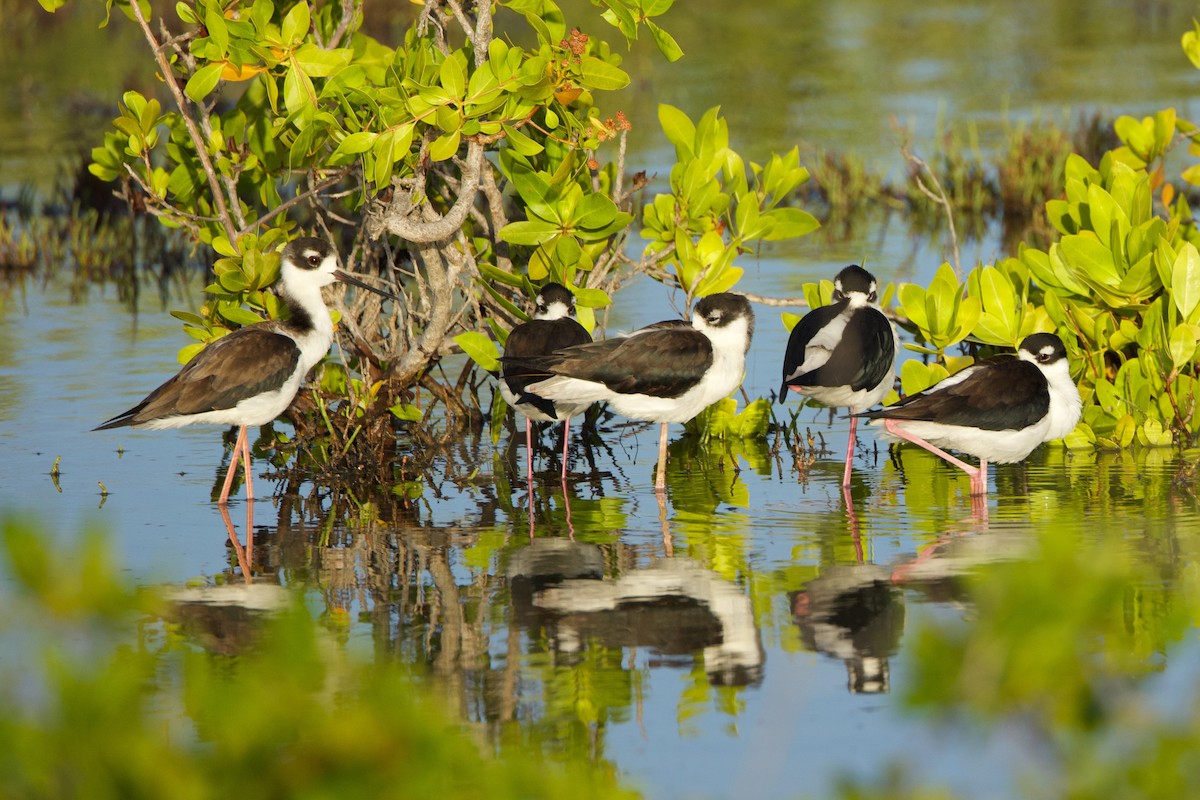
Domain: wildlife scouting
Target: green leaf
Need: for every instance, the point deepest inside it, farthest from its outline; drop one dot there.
(1185, 280)
(789, 223)
(295, 24)
(592, 298)
(218, 31)
(528, 232)
(453, 77)
(445, 146)
(520, 142)
(1182, 346)
(1090, 259)
(321, 63)
(917, 377)
(298, 91)
(355, 143)
(481, 349)
(1125, 431)
(535, 191)
(597, 74)
(680, 130)
(1191, 46)
(1153, 434)
(239, 315)
(665, 41)
(406, 412)
(203, 81)
(912, 301)
(595, 211)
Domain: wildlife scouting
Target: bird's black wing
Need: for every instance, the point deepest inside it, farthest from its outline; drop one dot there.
(245, 363)
(538, 337)
(804, 331)
(661, 361)
(864, 356)
(999, 395)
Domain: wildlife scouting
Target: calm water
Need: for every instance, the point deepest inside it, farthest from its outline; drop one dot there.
(753, 635)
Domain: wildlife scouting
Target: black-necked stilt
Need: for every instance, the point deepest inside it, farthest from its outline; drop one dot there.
(997, 410)
(666, 372)
(250, 376)
(843, 355)
(553, 327)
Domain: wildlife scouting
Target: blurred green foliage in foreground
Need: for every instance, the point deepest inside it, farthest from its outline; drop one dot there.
(100, 698)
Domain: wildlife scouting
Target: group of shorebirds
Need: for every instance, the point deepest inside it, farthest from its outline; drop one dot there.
(841, 355)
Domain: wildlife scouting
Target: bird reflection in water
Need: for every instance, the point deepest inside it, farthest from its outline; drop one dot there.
(674, 607)
(852, 613)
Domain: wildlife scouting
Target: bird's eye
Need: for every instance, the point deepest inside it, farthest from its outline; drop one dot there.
(314, 261)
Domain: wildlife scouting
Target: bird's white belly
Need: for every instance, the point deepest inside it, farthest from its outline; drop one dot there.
(845, 397)
(562, 408)
(257, 410)
(1000, 447)
(721, 379)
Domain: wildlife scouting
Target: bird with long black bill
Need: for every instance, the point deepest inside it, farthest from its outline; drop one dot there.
(997, 410)
(843, 355)
(552, 328)
(666, 372)
(251, 376)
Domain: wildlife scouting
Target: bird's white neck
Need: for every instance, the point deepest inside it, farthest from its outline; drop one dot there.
(309, 321)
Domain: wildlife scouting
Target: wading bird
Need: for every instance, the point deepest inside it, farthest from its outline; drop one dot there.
(250, 376)
(553, 327)
(843, 355)
(666, 372)
(998, 410)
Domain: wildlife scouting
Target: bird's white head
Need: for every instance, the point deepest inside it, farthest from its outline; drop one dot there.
(856, 285)
(1044, 349)
(1049, 354)
(726, 319)
(554, 301)
(307, 264)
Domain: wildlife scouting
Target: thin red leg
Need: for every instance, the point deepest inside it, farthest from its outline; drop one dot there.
(246, 465)
(529, 477)
(849, 453)
(978, 475)
(566, 446)
(660, 483)
(238, 446)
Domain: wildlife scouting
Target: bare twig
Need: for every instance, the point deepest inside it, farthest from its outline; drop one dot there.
(198, 141)
(939, 197)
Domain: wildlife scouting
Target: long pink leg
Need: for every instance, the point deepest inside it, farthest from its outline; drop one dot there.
(238, 446)
(566, 446)
(246, 468)
(850, 452)
(529, 477)
(660, 483)
(978, 475)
